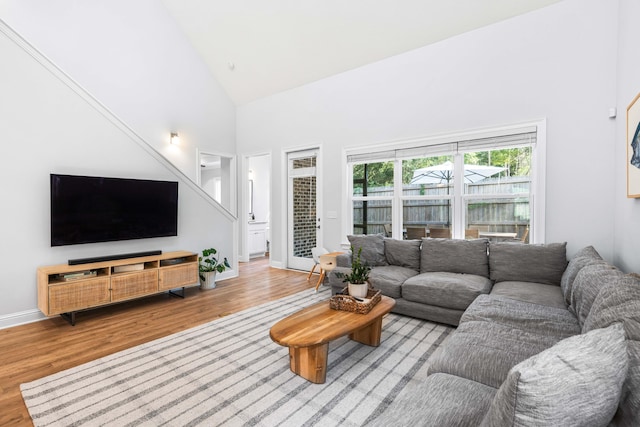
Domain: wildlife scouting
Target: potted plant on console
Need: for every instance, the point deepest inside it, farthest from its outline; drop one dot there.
(209, 265)
(357, 280)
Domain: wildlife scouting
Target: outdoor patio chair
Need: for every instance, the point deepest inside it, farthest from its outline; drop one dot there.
(442, 233)
(416, 233)
(523, 238)
(471, 233)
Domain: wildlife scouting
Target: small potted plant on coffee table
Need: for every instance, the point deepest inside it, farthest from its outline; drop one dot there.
(357, 280)
(209, 265)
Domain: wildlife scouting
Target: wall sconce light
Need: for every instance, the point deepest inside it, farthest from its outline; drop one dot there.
(175, 139)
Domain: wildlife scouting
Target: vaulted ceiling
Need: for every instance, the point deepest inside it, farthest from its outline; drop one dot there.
(256, 48)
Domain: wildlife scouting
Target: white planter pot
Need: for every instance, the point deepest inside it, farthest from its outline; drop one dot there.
(209, 281)
(358, 290)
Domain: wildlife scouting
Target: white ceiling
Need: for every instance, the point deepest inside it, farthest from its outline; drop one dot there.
(275, 45)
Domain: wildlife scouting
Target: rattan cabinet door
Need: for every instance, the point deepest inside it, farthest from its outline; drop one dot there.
(133, 285)
(68, 297)
(178, 276)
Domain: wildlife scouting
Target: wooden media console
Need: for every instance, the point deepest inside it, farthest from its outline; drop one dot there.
(65, 289)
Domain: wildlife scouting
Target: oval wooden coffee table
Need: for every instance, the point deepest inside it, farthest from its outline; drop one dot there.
(308, 332)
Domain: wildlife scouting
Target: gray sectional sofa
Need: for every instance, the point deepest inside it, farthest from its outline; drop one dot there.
(539, 340)
(437, 279)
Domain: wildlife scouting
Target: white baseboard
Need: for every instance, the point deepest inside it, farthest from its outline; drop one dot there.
(277, 264)
(20, 318)
(228, 274)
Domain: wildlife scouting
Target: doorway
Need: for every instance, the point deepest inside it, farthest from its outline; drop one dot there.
(216, 175)
(258, 203)
(303, 217)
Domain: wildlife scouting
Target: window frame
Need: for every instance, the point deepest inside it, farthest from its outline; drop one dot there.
(442, 144)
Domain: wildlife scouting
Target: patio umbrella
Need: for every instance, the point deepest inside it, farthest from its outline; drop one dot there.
(443, 173)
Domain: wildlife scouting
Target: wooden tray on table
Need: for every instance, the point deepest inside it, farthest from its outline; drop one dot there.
(346, 302)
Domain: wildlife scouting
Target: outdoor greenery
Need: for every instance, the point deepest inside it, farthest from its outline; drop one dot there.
(517, 161)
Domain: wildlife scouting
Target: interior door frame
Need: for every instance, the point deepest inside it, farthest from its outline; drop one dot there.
(288, 218)
(243, 204)
(233, 177)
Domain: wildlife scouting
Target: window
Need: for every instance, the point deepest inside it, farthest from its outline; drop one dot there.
(372, 197)
(478, 186)
(498, 206)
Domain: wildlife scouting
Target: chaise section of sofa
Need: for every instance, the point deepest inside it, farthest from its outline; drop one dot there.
(576, 365)
(498, 330)
(437, 402)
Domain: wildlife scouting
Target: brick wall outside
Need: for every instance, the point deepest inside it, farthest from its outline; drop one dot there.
(304, 215)
(306, 162)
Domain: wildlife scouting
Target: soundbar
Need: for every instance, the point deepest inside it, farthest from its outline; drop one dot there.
(112, 257)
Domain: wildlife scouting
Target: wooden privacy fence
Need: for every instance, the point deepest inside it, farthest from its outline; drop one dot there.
(491, 214)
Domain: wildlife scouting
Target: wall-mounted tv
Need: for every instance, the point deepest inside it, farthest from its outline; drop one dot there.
(89, 209)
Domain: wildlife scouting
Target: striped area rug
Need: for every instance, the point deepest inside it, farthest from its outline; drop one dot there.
(228, 372)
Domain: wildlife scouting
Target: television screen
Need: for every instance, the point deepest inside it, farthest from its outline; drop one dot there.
(87, 209)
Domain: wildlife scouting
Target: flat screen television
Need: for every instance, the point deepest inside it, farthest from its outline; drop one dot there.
(90, 209)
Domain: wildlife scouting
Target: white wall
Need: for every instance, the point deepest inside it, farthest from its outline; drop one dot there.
(557, 63)
(627, 217)
(208, 179)
(132, 56)
(46, 127)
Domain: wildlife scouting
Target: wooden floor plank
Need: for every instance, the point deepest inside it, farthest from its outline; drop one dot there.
(35, 350)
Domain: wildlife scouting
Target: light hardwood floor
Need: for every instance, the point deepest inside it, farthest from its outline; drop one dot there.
(35, 350)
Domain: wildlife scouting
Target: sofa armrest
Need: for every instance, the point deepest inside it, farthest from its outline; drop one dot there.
(344, 260)
(336, 280)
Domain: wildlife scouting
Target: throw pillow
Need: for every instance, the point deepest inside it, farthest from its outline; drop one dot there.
(405, 253)
(527, 263)
(577, 382)
(582, 258)
(372, 248)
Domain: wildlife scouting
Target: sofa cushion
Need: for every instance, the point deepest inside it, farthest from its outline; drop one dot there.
(535, 293)
(582, 258)
(336, 278)
(344, 260)
(576, 382)
(451, 290)
(536, 318)
(436, 402)
(389, 279)
(372, 248)
(588, 284)
(455, 256)
(404, 253)
(485, 351)
(448, 316)
(617, 301)
(527, 263)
